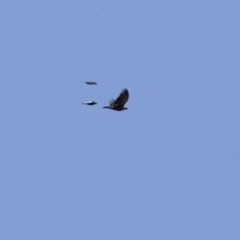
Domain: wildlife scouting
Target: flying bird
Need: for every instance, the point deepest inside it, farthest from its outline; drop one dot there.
(89, 103)
(91, 83)
(119, 103)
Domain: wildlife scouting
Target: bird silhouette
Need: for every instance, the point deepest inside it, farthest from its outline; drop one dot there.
(119, 103)
(91, 83)
(89, 103)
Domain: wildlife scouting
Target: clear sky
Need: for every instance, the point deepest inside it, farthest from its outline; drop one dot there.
(167, 168)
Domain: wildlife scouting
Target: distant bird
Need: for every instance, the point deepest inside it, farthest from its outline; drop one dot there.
(118, 104)
(91, 83)
(89, 103)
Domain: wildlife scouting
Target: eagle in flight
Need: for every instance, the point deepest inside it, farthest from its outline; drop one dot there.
(119, 103)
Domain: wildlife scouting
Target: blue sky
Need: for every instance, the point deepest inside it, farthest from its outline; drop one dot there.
(167, 168)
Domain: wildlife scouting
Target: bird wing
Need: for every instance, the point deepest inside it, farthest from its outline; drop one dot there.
(112, 103)
(122, 98)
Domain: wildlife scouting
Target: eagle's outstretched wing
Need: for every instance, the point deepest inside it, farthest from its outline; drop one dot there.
(122, 98)
(112, 103)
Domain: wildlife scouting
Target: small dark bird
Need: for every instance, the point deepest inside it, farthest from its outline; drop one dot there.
(89, 103)
(118, 104)
(91, 83)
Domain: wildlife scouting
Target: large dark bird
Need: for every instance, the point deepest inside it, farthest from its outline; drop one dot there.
(89, 103)
(119, 103)
(91, 83)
